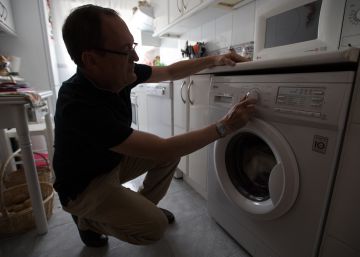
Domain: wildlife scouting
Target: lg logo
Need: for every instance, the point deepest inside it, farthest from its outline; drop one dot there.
(320, 144)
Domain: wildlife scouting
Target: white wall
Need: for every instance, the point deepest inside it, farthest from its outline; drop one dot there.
(29, 44)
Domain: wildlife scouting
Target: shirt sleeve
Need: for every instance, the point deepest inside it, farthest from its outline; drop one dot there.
(143, 73)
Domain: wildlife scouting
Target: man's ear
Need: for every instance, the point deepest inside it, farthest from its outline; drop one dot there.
(88, 59)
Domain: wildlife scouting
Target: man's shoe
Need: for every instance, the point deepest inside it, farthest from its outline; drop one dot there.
(170, 217)
(91, 238)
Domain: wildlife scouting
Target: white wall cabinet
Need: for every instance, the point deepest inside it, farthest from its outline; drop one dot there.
(161, 14)
(187, 14)
(6, 17)
(191, 112)
(177, 8)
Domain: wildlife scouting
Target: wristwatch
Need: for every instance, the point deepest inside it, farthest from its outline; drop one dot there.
(221, 129)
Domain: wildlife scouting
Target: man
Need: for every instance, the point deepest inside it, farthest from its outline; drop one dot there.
(95, 148)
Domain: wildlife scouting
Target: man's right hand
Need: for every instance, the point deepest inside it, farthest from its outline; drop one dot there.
(238, 115)
(149, 146)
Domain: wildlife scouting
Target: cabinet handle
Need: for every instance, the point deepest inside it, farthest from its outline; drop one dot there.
(179, 9)
(181, 89)
(3, 10)
(188, 92)
(184, 5)
(6, 14)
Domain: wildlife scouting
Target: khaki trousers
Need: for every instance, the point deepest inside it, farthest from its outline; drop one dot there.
(107, 207)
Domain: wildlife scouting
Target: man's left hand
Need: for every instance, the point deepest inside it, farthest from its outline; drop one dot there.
(229, 59)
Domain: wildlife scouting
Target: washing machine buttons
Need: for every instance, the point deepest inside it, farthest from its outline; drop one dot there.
(318, 92)
(317, 99)
(316, 114)
(298, 112)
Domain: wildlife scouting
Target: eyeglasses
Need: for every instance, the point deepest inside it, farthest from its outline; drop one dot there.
(132, 48)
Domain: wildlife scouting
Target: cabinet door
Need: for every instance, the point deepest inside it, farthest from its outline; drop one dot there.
(175, 10)
(161, 14)
(6, 18)
(198, 94)
(180, 114)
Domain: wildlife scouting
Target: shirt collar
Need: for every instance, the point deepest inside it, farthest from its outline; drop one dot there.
(86, 81)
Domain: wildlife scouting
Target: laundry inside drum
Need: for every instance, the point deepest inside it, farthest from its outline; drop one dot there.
(249, 161)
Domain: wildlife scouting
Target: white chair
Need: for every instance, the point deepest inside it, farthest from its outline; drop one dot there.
(45, 129)
(38, 129)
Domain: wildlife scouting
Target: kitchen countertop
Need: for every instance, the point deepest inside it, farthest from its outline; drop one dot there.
(345, 57)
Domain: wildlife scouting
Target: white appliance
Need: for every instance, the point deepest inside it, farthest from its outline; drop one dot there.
(269, 182)
(134, 110)
(286, 28)
(159, 108)
(341, 235)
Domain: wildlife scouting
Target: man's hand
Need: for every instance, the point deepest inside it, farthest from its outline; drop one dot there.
(239, 115)
(229, 59)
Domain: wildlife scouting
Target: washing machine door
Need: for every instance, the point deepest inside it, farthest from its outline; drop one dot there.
(257, 170)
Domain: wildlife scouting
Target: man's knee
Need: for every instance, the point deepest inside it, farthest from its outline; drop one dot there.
(150, 232)
(158, 228)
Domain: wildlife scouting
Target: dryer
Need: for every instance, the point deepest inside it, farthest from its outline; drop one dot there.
(269, 182)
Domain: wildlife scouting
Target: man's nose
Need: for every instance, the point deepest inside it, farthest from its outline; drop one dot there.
(134, 56)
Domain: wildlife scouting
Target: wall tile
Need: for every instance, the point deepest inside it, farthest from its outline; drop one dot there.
(243, 24)
(223, 27)
(208, 35)
(194, 34)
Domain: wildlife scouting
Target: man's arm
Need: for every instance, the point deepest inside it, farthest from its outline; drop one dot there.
(185, 68)
(145, 145)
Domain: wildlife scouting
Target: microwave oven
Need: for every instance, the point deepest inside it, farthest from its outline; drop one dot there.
(288, 28)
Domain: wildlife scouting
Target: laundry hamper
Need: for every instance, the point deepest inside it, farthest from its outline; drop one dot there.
(16, 214)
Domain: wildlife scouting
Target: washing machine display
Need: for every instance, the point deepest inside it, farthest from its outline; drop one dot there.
(267, 185)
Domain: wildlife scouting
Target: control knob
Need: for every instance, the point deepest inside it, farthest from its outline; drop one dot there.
(253, 94)
(357, 15)
(354, 17)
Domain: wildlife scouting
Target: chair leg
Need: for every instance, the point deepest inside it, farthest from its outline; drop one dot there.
(50, 150)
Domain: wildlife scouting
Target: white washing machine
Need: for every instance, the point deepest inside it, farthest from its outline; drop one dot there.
(269, 182)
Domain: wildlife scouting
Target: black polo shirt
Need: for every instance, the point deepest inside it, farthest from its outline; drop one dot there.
(88, 122)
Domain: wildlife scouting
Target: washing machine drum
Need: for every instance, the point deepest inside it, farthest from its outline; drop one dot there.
(257, 170)
(249, 162)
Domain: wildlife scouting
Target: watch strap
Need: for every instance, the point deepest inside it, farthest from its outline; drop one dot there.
(221, 129)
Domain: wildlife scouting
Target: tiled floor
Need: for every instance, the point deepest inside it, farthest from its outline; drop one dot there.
(194, 234)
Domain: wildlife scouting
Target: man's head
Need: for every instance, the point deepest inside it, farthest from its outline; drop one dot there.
(99, 42)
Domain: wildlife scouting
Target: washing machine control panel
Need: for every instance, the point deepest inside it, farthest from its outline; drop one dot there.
(312, 97)
(306, 101)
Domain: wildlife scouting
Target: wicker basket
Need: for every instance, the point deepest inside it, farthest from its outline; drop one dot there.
(17, 177)
(16, 214)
